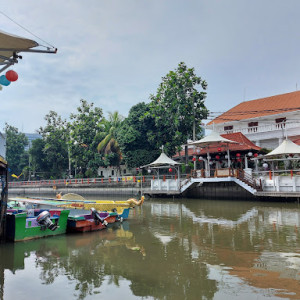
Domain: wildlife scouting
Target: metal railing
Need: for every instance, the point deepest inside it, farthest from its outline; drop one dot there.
(115, 181)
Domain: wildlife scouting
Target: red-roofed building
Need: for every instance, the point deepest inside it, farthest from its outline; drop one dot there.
(264, 121)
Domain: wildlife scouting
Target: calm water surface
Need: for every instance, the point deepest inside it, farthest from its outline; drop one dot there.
(168, 249)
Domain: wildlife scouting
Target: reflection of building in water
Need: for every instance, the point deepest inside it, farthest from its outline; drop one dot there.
(281, 217)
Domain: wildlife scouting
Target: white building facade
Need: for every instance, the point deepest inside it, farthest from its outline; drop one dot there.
(265, 122)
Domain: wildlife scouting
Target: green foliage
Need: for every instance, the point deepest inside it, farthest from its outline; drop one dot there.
(85, 129)
(109, 146)
(175, 107)
(133, 137)
(55, 135)
(16, 155)
(39, 162)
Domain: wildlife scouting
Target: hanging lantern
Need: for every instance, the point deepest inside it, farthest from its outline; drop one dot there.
(217, 156)
(219, 149)
(11, 75)
(226, 156)
(200, 158)
(255, 154)
(170, 170)
(238, 155)
(4, 81)
(265, 165)
(250, 154)
(194, 158)
(291, 155)
(149, 171)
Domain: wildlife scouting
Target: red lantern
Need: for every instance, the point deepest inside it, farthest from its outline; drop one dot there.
(11, 75)
(219, 149)
(238, 155)
(217, 157)
(194, 159)
(170, 170)
(255, 154)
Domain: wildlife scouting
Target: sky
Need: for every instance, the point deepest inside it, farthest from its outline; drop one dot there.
(114, 53)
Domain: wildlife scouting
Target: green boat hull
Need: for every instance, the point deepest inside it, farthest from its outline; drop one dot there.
(19, 227)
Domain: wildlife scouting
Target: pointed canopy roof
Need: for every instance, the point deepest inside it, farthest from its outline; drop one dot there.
(162, 161)
(286, 147)
(212, 138)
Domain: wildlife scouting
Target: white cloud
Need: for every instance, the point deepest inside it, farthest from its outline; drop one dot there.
(114, 53)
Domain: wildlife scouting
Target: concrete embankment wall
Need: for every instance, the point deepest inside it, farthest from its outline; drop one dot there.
(219, 190)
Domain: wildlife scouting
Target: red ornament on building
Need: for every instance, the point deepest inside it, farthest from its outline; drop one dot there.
(255, 154)
(238, 155)
(170, 170)
(194, 158)
(217, 156)
(219, 149)
(11, 75)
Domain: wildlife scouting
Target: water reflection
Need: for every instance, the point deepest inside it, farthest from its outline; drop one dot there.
(183, 249)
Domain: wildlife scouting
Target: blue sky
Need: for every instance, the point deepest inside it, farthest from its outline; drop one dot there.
(114, 53)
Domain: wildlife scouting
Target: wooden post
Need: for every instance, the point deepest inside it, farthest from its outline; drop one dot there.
(270, 175)
(291, 173)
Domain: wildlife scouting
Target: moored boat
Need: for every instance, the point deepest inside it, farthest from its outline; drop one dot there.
(35, 223)
(91, 222)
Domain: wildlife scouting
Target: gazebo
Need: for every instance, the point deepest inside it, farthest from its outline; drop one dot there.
(213, 139)
(164, 162)
(281, 180)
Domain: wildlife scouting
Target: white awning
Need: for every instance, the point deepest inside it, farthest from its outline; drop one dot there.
(162, 161)
(212, 138)
(11, 45)
(286, 147)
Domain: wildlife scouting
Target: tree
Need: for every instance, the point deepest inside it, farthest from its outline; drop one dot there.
(39, 161)
(176, 107)
(133, 137)
(16, 155)
(55, 135)
(85, 129)
(109, 145)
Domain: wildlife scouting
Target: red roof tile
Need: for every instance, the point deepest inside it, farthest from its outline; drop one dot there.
(261, 107)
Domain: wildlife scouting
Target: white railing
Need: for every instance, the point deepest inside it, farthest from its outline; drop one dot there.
(260, 128)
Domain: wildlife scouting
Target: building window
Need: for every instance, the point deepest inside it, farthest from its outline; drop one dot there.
(252, 127)
(112, 172)
(253, 124)
(101, 173)
(124, 172)
(280, 123)
(228, 128)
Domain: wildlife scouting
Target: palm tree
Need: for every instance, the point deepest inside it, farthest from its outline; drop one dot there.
(109, 143)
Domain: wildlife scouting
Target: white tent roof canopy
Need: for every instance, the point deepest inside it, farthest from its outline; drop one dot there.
(212, 138)
(286, 147)
(162, 161)
(11, 45)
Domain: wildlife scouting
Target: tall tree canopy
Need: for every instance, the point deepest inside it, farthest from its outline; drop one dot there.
(16, 155)
(176, 106)
(55, 135)
(133, 137)
(109, 146)
(85, 127)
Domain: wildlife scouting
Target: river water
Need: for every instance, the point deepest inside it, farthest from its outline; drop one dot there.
(167, 249)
